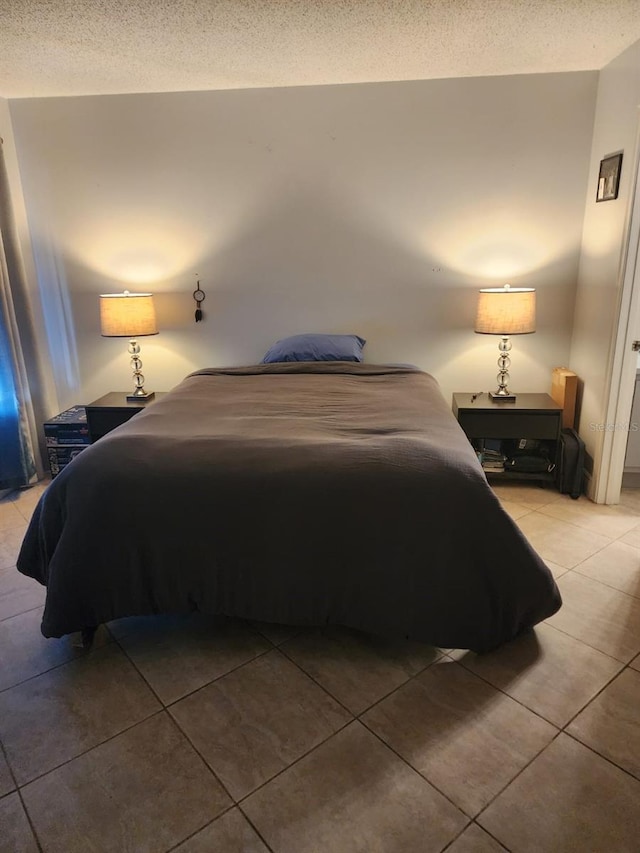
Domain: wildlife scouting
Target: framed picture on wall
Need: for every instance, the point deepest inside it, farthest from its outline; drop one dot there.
(609, 177)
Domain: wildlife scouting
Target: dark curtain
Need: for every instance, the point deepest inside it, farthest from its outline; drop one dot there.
(17, 464)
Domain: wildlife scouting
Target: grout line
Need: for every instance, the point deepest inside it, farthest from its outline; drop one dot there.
(603, 757)
(518, 774)
(594, 697)
(22, 612)
(271, 778)
(417, 772)
(215, 820)
(292, 660)
(168, 705)
(255, 829)
(205, 763)
(604, 583)
(585, 643)
(353, 719)
(474, 823)
(540, 751)
(81, 654)
(91, 748)
(30, 822)
(297, 761)
(200, 829)
(3, 754)
(504, 692)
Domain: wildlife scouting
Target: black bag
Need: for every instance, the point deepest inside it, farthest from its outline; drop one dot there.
(529, 464)
(570, 469)
(528, 456)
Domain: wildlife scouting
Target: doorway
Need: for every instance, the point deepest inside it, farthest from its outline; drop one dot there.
(623, 407)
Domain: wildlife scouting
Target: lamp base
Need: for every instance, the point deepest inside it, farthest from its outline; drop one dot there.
(497, 397)
(143, 397)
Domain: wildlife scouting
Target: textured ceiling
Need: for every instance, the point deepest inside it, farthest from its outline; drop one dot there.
(80, 47)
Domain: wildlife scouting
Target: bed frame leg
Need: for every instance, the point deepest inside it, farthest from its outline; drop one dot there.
(86, 637)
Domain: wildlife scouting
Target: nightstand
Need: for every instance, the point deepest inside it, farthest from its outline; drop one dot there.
(113, 409)
(530, 416)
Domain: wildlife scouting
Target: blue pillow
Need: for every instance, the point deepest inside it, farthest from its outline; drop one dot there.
(316, 348)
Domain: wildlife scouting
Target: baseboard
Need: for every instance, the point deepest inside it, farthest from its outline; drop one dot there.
(631, 480)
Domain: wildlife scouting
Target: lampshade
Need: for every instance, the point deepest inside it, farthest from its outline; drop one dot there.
(506, 311)
(127, 315)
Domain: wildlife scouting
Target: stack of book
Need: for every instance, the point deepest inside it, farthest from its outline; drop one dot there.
(491, 460)
(66, 436)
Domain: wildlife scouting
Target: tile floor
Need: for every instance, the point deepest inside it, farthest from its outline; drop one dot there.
(195, 735)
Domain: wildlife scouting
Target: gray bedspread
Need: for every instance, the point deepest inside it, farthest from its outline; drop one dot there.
(308, 494)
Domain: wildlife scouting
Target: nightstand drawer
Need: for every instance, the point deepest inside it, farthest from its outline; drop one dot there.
(112, 410)
(509, 424)
(102, 421)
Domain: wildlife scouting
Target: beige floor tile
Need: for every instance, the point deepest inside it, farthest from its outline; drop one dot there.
(259, 719)
(556, 570)
(61, 714)
(231, 833)
(569, 799)
(19, 593)
(602, 617)
(24, 652)
(10, 542)
(25, 500)
(617, 565)
(357, 668)
(531, 496)
(514, 509)
(548, 671)
(610, 521)
(6, 781)
(352, 793)
(15, 833)
(559, 541)
(632, 537)
(9, 516)
(179, 654)
(611, 723)
(475, 840)
(635, 663)
(462, 734)
(630, 498)
(145, 790)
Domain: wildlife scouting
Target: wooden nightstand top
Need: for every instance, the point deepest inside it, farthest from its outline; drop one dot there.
(523, 404)
(118, 400)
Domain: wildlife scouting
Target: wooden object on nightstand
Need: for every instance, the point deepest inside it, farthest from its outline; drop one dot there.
(112, 410)
(564, 388)
(530, 416)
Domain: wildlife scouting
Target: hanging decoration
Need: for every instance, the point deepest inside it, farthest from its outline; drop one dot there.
(199, 295)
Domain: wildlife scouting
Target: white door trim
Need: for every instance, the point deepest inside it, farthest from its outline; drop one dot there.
(622, 361)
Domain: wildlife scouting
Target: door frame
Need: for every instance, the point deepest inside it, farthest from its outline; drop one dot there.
(623, 361)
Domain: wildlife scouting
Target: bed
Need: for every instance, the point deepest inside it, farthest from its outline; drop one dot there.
(305, 493)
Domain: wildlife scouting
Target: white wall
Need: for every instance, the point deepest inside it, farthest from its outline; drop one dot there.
(605, 224)
(375, 208)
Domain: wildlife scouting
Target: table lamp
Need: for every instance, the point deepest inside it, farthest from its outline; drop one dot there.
(129, 315)
(505, 311)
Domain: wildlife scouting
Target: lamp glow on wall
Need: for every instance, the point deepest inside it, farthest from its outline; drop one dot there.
(129, 315)
(505, 311)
